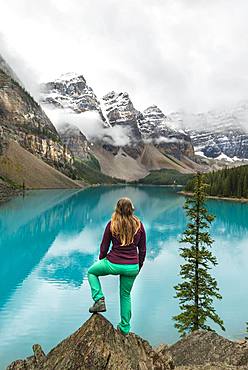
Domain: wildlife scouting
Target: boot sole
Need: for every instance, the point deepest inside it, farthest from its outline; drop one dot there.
(97, 311)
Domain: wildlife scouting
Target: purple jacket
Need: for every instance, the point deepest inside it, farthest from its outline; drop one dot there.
(127, 254)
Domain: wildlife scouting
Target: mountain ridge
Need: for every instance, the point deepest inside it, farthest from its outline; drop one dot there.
(125, 161)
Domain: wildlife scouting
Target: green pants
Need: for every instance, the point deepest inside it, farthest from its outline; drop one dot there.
(127, 274)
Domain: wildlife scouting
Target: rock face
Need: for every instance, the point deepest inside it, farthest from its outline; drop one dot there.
(232, 142)
(217, 133)
(97, 346)
(154, 126)
(23, 168)
(75, 140)
(8, 70)
(205, 347)
(118, 112)
(23, 120)
(70, 91)
(121, 112)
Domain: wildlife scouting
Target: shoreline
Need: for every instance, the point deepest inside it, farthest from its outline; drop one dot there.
(216, 197)
(17, 192)
(7, 194)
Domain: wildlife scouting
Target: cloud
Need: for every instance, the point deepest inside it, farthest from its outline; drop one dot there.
(90, 124)
(25, 73)
(181, 54)
(163, 139)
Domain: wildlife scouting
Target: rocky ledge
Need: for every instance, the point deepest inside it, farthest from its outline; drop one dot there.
(97, 345)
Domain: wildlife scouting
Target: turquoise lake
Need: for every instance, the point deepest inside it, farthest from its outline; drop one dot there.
(49, 238)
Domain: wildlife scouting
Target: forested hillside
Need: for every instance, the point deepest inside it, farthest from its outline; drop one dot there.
(229, 182)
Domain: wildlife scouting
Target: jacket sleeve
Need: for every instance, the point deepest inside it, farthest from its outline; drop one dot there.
(142, 246)
(106, 239)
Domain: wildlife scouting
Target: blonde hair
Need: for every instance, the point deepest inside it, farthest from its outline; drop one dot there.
(124, 224)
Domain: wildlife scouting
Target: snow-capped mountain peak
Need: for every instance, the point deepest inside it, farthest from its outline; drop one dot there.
(70, 77)
(70, 91)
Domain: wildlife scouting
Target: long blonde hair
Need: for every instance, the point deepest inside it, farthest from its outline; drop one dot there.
(124, 224)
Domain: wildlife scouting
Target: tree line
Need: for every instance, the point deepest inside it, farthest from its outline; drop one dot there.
(228, 182)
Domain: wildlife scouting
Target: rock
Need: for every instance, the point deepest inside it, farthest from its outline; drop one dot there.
(96, 345)
(70, 91)
(121, 112)
(34, 362)
(155, 128)
(23, 120)
(8, 70)
(218, 132)
(38, 353)
(212, 366)
(75, 140)
(206, 347)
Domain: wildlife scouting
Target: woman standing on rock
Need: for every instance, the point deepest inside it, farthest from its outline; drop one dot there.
(127, 234)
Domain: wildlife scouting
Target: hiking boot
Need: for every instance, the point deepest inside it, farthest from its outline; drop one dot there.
(98, 306)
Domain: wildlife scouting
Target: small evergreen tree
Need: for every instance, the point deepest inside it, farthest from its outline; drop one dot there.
(198, 288)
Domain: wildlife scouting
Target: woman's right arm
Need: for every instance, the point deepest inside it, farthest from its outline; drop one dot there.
(142, 247)
(106, 239)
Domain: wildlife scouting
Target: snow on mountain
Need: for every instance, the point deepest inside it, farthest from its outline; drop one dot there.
(153, 124)
(217, 133)
(120, 111)
(71, 92)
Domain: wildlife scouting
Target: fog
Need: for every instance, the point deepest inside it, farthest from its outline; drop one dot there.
(180, 55)
(90, 124)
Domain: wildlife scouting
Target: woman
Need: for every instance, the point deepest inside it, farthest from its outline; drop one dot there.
(127, 233)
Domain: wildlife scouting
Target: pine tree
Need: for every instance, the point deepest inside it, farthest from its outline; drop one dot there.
(245, 186)
(199, 288)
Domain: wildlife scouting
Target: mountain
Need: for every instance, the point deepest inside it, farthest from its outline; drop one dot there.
(74, 139)
(23, 168)
(122, 148)
(8, 70)
(70, 91)
(222, 135)
(120, 111)
(25, 130)
(155, 128)
(97, 345)
(23, 120)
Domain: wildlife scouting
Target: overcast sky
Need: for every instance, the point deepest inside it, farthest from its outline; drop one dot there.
(178, 54)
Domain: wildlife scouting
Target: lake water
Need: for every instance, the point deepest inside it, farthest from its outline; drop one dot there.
(49, 239)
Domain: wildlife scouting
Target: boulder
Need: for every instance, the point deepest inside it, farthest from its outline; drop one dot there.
(97, 345)
(208, 348)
